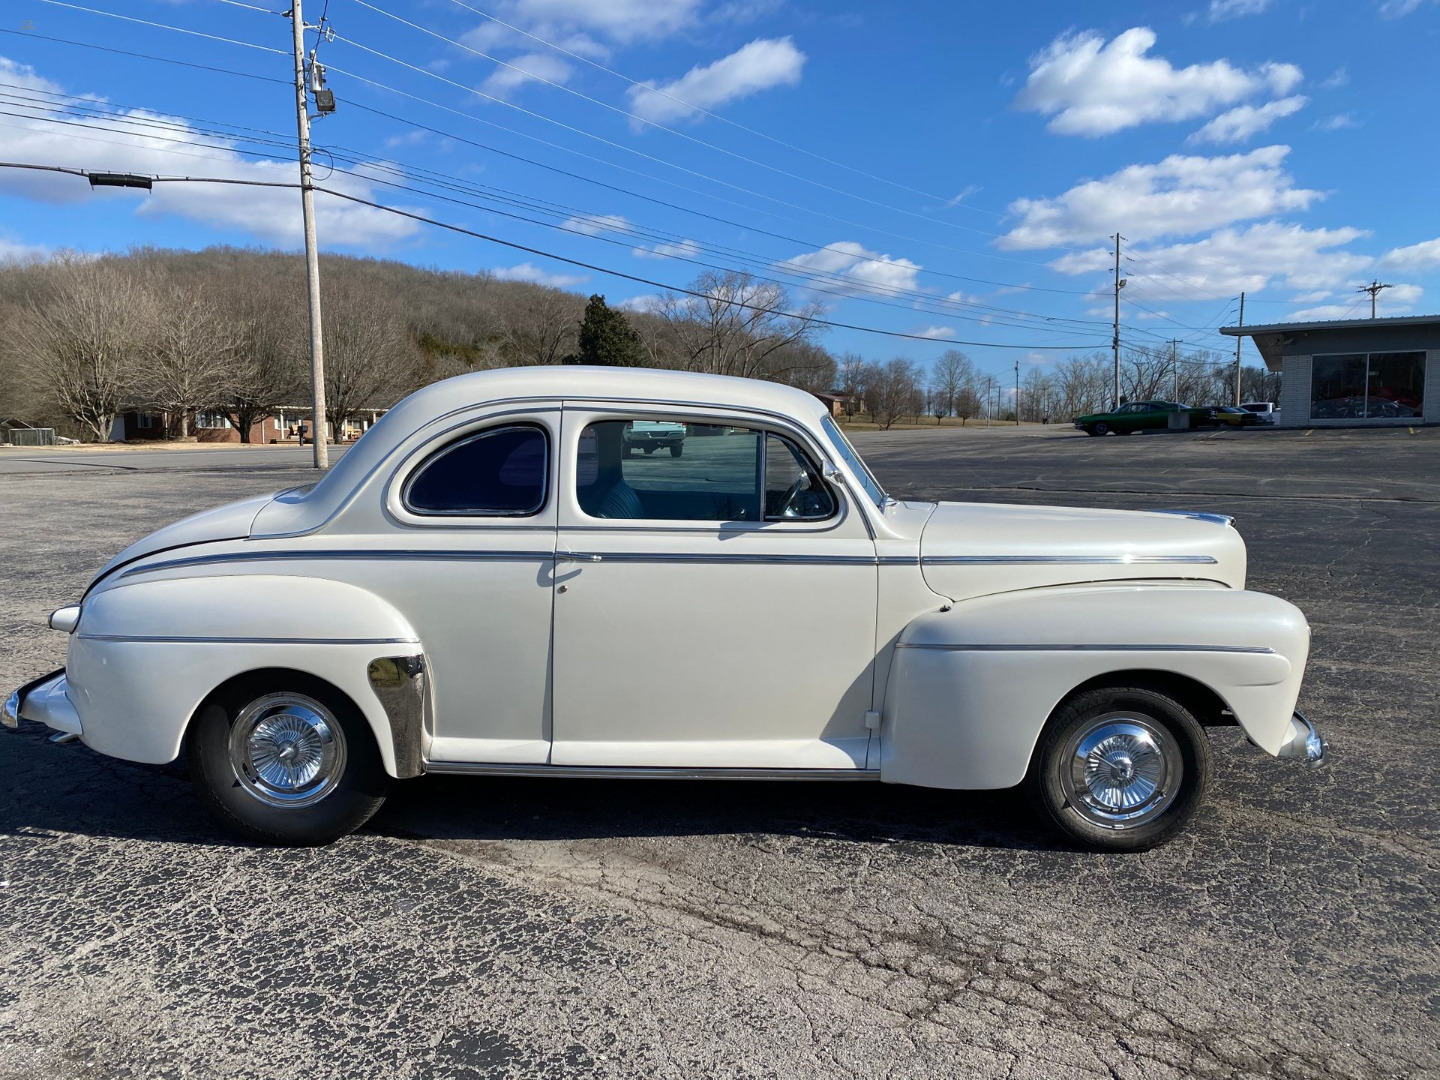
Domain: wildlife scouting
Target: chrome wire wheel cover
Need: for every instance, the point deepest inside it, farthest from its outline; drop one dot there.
(287, 750)
(1121, 771)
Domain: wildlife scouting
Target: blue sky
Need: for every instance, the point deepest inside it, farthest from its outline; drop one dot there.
(949, 171)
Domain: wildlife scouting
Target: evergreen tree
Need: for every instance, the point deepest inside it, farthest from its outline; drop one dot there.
(607, 338)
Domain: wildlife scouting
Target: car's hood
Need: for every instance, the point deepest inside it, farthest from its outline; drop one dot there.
(974, 549)
(229, 522)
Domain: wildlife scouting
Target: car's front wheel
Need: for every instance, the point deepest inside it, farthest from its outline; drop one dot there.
(286, 760)
(1101, 428)
(1120, 768)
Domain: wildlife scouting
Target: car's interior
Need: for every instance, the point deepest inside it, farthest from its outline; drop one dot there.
(726, 474)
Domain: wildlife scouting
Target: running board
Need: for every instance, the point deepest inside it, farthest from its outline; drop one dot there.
(630, 772)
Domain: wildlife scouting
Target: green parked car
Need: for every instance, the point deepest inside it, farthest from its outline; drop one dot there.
(1142, 416)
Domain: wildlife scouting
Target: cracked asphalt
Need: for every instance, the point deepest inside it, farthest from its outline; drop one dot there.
(561, 928)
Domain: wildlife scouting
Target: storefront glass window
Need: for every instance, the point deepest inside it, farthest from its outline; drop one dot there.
(1337, 387)
(1397, 384)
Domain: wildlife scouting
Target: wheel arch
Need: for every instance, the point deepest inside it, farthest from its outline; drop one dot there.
(1200, 700)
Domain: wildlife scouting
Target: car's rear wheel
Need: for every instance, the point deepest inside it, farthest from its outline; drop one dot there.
(676, 449)
(1101, 428)
(286, 760)
(1120, 768)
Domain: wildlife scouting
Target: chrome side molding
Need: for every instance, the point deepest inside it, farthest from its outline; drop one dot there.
(640, 772)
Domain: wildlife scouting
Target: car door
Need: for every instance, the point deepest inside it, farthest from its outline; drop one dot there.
(471, 568)
(715, 609)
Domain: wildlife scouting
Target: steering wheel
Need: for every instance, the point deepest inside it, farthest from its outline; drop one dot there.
(787, 503)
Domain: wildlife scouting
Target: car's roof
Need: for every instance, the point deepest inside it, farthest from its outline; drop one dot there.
(582, 382)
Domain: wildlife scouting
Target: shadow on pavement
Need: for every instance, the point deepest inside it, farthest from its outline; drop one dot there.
(70, 789)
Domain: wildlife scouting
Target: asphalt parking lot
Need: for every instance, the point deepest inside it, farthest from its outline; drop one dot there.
(534, 928)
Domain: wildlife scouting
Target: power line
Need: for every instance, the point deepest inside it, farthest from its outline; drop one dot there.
(652, 158)
(164, 26)
(423, 219)
(848, 287)
(1026, 287)
(716, 116)
(145, 56)
(659, 126)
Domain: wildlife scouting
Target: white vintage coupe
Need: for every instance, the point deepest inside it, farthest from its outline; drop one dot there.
(488, 584)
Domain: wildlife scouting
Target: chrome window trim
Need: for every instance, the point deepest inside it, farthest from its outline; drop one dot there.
(169, 639)
(414, 474)
(1257, 650)
(1103, 560)
(739, 557)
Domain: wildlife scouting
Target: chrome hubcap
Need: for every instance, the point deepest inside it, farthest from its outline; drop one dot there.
(287, 750)
(1121, 771)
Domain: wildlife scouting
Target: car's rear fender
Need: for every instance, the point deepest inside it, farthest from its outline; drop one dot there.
(970, 688)
(146, 656)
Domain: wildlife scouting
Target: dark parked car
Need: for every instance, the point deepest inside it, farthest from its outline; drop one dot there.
(1142, 416)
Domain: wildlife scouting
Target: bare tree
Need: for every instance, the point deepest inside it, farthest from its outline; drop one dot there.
(541, 329)
(80, 343)
(891, 389)
(266, 371)
(737, 325)
(951, 373)
(369, 359)
(187, 358)
(851, 375)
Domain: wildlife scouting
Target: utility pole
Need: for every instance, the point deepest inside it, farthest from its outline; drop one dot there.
(1175, 365)
(1374, 290)
(1115, 341)
(320, 440)
(988, 410)
(1238, 341)
(1017, 393)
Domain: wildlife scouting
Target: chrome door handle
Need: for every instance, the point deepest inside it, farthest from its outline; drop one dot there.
(576, 556)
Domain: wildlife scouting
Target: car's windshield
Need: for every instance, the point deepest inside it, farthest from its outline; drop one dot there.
(847, 454)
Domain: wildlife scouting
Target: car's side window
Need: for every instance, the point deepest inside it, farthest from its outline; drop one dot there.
(499, 472)
(794, 490)
(673, 470)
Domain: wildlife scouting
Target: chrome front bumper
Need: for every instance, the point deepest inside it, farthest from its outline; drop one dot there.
(1305, 743)
(45, 701)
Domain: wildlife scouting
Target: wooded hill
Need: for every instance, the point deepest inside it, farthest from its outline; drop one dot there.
(225, 329)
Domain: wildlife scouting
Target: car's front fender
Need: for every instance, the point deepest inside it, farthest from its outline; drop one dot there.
(971, 687)
(145, 656)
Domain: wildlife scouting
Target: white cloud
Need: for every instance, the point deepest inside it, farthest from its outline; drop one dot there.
(1422, 256)
(761, 65)
(646, 303)
(686, 249)
(1325, 311)
(545, 66)
(1090, 87)
(1179, 196)
(1312, 297)
(935, 332)
(595, 224)
(270, 215)
(869, 270)
(1244, 121)
(16, 251)
(1231, 260)
(1340, 78)
(535, 276)
(1339, 122)
(582, 25)
(1398, 9)
(963, 194)
(1220, 10)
